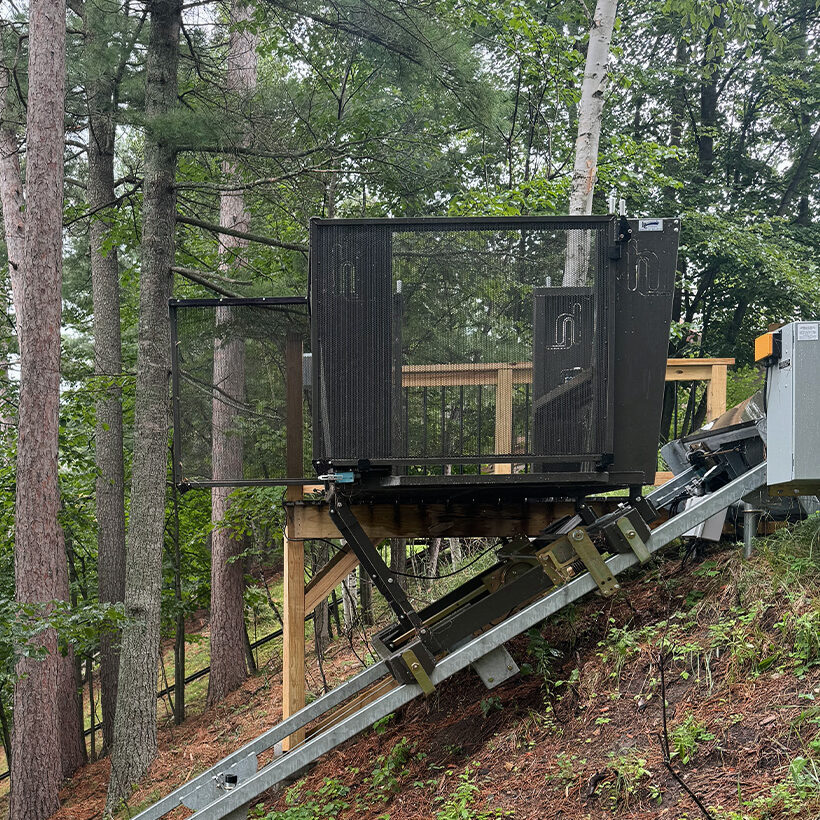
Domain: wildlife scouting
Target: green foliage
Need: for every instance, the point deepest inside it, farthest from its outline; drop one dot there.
(489, 705)
(542, 653)
(569, 767)
(386, 778)
(327, 801)
(686, 737)
(381, 725)
(458, 805)
(741, 383)
(630, 776)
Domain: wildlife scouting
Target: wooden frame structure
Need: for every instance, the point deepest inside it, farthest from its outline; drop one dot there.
(309, 519)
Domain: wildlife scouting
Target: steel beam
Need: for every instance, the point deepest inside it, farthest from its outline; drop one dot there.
(293, 762)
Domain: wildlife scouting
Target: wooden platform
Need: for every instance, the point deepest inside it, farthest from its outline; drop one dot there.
(308, 519)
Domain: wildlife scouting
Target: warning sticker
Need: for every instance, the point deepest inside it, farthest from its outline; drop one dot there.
(650, 224)
(808, 331)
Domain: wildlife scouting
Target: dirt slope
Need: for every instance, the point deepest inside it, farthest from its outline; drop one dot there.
(579, 734)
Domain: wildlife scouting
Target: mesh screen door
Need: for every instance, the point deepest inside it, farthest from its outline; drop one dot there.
(444, 342)
(233, 362)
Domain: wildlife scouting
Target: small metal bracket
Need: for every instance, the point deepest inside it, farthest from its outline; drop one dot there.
(637, 544)
(596, 566)
(418, 671)
(222, 782)
(557, 571)
(495, 667)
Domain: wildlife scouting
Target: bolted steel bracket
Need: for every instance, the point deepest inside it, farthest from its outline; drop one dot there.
(418, 671)
(222, 782)
(495, 667)
(633, 538)
(592, 560)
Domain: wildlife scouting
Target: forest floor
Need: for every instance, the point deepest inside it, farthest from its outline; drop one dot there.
(580, 732)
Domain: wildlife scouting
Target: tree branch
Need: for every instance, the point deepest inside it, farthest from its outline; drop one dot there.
(251, 237)
(194, 276)
(799, 170)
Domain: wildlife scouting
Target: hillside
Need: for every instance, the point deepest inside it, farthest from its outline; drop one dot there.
(579, 734)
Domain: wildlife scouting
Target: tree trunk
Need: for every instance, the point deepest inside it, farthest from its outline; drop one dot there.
(69, 703)
(11, 194)
(35, 761)
(455, 551)
(435, 550)
(590, 110)
(349, 601)
(321, 614)
(365, 598)
(227, 577)
(11, 202)
(135, 725)
(108, 454)
(398, 560)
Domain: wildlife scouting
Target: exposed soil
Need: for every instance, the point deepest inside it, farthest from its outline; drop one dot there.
(539, 746)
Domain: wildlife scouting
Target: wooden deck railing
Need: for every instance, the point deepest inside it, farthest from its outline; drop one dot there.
(505, 375)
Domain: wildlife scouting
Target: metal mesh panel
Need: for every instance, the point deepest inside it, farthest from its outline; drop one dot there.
(458, 342)
(231, 364)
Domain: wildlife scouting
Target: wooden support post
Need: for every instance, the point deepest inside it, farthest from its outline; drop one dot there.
(504, 417)
(716, 392)
(293, 628)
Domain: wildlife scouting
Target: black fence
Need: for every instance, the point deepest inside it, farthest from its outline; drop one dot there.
(441, 345)
(232, 361)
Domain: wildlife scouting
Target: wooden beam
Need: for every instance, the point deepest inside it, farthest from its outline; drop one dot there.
(457, 375)
(686, 362)
(329, 577)
(716, 392)
(308, 520)
(690, 373)
(293, 635)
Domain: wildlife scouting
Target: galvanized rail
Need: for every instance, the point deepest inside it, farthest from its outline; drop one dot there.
(227, 789)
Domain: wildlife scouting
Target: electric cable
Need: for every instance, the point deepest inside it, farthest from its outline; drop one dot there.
(428, 577)
(448, 574)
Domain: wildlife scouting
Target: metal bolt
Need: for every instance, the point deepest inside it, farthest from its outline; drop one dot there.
(578, 535)
(414, 666)
(490, 680)
(509, 668)
(630, 533)
(389, 580)
(422, 631)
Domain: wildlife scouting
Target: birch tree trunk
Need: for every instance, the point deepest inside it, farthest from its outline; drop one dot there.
(135, 725)
(455, 552)
(590, 111)
(108, 454)
(227, 580)
(35, 760)
(349, 601)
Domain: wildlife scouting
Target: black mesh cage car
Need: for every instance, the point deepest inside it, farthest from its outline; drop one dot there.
(234, 362)
(464, 346)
